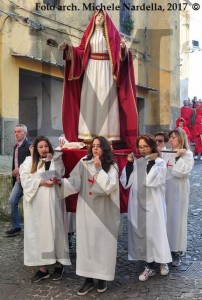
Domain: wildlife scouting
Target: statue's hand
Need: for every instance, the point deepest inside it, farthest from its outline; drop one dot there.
(62, 46)
(123, 43)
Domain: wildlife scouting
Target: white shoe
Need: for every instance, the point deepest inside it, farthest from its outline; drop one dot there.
(146, 274)
(201, 158)
(196, 157)
(164, 269)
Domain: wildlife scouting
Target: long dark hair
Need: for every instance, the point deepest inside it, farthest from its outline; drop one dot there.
(151, 142)
(35, 156)
(107, 156)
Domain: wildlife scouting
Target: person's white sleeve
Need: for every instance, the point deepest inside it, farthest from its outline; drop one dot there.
(157, 174)
(183, 165)
(105, 183)
(58, 163)
(123, 178)
(29, 184)
(72, 184)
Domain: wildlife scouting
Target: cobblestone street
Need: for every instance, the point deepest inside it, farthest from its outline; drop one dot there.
(184, 282)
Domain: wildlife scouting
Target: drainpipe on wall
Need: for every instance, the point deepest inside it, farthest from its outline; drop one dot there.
(1, 98)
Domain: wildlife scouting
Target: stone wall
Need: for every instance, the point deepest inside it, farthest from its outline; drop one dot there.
(5, 187)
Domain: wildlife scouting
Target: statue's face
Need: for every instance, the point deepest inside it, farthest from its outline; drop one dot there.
(99, 19)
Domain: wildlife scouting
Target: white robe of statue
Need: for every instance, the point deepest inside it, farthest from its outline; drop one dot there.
(99, 111)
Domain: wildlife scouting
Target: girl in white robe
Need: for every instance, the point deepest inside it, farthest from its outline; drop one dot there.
(147, 237)
(45, 241)
(179, 165)
(95, 178)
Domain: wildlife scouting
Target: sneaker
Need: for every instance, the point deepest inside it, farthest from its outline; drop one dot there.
(176, 260)
(58, 273)
(13, 232)
(196, 157)
(70, 238)
(40, 276)
(71, 245)
(86, 288)
(164, 269)
(201, 158)
(146, 274)
(101, 286)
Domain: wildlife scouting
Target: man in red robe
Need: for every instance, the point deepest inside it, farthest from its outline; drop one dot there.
(186, 113)
(198, 137)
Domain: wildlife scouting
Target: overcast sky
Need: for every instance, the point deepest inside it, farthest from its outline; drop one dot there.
(195, 68)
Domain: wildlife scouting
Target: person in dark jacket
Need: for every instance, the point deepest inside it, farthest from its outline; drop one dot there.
(21, 151)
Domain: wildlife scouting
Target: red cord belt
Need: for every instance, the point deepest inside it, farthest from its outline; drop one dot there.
(99, 56)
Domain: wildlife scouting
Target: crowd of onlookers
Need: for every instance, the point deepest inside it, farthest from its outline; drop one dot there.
(191, 122)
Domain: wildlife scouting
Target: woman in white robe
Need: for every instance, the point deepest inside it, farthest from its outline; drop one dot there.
(179, 165)
(147, 237)
(95, 178)
(45, 241)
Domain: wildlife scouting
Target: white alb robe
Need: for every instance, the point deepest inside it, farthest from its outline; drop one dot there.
(147, 237)
(45, 239)
(177, 198)
(99, 111)
(97, 218)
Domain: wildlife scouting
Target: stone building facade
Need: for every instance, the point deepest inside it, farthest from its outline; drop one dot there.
(31, 67)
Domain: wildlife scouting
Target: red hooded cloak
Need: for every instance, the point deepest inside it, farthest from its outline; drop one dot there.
(185, 128)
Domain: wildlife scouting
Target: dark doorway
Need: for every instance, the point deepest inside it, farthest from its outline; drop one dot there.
(28, 114)
(40, 101)
(141, 114)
